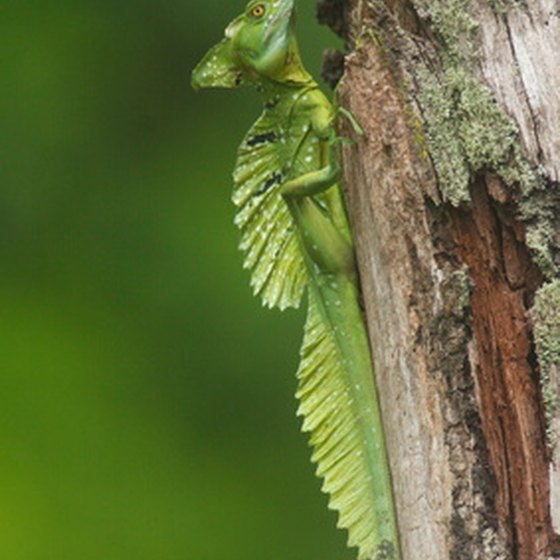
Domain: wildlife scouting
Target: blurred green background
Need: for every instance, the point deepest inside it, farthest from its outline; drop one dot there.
(146, 400)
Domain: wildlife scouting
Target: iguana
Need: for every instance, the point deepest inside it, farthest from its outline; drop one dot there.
(296, 237)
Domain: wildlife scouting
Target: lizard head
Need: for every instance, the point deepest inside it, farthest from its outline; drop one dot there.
(259, 44)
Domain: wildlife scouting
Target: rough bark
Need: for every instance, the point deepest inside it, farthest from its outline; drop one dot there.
(453, 191)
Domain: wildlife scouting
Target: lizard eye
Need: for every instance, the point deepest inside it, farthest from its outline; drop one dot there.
(258, 11)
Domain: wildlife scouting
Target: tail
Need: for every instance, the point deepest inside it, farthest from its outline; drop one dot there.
(340, 411)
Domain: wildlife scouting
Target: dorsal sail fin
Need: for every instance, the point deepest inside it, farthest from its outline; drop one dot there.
(268, 236)
(332, 416)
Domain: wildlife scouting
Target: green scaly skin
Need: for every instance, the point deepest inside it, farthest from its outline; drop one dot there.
(295, 234)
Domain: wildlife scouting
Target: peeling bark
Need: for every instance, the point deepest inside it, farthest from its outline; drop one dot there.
(454, 197)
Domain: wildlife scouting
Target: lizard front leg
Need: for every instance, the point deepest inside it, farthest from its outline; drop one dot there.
(318, 181)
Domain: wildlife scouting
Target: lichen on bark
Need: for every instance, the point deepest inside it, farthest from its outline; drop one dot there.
(469, 133)
(466, 131)
(546, 314)
(540, 211)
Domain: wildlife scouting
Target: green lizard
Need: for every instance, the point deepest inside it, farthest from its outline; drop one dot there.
(295, 235)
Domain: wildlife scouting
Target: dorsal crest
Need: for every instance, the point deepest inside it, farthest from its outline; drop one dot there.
(268, 236)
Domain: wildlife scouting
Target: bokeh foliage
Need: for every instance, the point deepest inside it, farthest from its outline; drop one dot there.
(146, 406)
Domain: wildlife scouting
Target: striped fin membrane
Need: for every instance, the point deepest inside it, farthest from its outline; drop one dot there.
(268, 237)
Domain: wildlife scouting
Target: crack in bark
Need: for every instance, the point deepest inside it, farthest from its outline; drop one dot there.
(511, 406)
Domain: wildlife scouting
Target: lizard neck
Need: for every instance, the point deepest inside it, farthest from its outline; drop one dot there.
(275, 93)
(290, 79)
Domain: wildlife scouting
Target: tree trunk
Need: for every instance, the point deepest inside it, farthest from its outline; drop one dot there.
(453, 192)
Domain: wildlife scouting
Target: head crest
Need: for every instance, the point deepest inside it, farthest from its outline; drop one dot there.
(218, 68)
(259, 44)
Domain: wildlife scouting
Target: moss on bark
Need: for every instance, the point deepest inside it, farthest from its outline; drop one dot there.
(547, 337)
